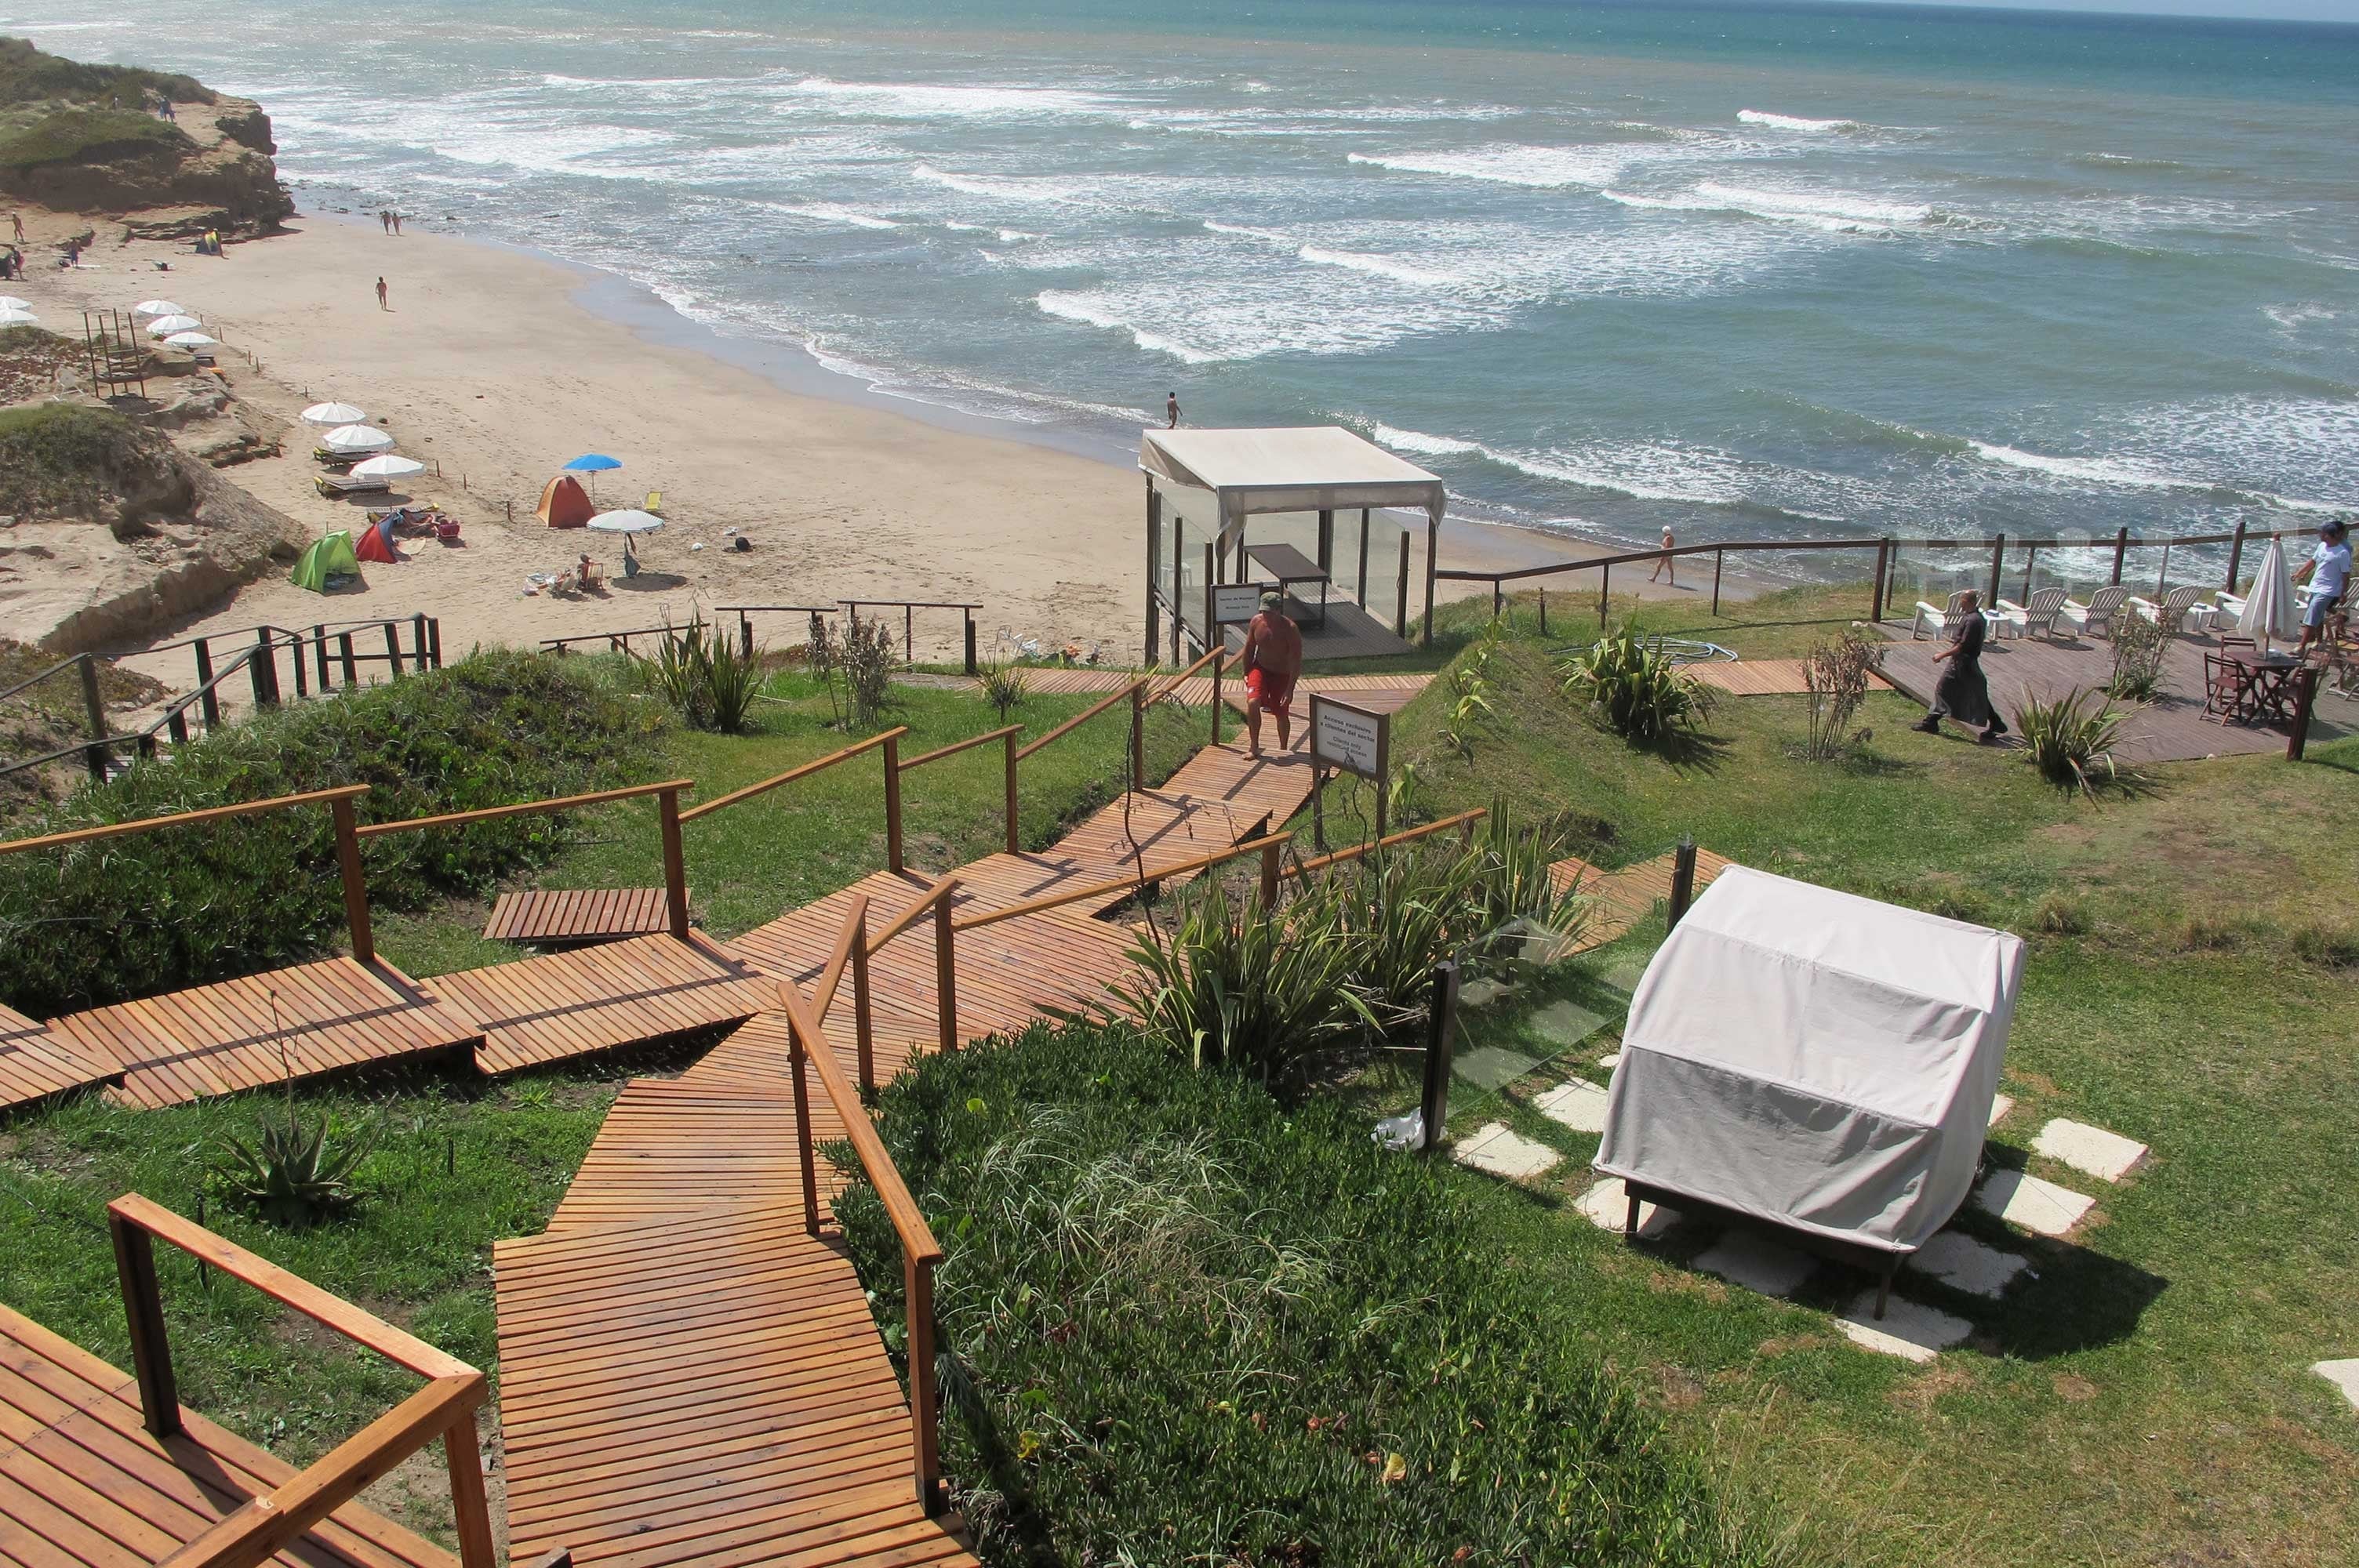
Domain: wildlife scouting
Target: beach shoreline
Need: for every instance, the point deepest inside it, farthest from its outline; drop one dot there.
(496, 363)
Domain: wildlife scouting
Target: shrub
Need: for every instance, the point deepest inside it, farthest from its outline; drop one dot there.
(708, 680)
(2060, 914)
(1634, 690)
(1470, 691)
(1837, 673)
(868, 664)
(1005, 687)
(131, 916)
(66, 136)
(1180, 1323)
(289, 1176)
(60, 457)
(2329, 946)
(2139, 646)
(2070, 743)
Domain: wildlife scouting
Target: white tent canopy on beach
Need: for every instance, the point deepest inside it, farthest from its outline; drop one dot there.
(356, 439)
(1814, 1059)
(332, 415)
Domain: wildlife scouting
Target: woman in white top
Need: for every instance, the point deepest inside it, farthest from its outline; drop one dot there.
(2329, 576)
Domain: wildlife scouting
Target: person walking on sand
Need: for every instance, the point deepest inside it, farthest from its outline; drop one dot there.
(18, 219)
(1961, 693)
(1172, 411)
(396, 223)
(380, 296)
(384, 219)
(1273, 661)
(1664, 563)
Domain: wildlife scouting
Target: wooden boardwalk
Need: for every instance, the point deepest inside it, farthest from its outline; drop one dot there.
(83, 1483)
(587, 1000)
(1758, 677)
(262, 1029)
(36, 1063)
(556, 915)
(1626, 897)
(2170, 729)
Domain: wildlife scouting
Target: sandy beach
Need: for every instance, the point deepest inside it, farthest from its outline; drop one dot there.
(487, 366)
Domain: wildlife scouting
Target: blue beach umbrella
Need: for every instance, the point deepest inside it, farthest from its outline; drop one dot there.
(593, 464)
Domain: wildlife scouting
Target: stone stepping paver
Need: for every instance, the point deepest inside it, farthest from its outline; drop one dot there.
(1501, 1151)
(2344, 1375)
(2108, 1156)
(1611, 1060)
(1999, 1108)
(1964, 1264)
(1607, 1203)
(1910, 1330)
(1757, 1262)
(2039, 1207)
(1576, 1103)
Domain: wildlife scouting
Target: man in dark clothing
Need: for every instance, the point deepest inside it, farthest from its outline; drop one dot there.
(1961, 693)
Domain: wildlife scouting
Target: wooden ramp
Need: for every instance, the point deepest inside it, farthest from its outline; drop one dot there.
(559, 915)
(36, 1063)
(1759, 678)
(1628, 896)
(262, 1029)
(82, 1483)
(587, 1000)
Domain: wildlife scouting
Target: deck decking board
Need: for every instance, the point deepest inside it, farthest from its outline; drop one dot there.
(578, 915)
(36, 1063)
(588, 1000)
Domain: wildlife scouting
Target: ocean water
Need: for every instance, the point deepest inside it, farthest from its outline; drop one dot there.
(1742, 270)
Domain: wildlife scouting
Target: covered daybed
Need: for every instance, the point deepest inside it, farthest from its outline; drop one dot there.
(1232, 507)
(1815, 1060)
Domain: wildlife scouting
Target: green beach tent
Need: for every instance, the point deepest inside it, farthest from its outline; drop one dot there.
(327, 558)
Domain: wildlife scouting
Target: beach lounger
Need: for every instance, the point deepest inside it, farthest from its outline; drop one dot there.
(1933, 623)
(2177, 613)
(336, 485)
(2095, 618)
(2037, 619)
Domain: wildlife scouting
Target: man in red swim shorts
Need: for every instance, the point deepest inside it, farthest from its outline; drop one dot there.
(1272, 661)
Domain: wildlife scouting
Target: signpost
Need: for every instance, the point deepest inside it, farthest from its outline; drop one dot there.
(1233, 603)
(1355, 740)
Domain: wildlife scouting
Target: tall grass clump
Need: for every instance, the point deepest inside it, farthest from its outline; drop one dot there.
(2069, 741)
(1180, 1323)
(1838, 674)
(153, 911)
(2139, 646)
(711, 682)
(1636, 690)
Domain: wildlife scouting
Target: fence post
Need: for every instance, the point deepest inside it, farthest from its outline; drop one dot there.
(908, 634)
(675, 863)
(210, 705)
(968, 616)
(744, 634)
(946, 972)
(2031, 555)
(1013, 846)
(255, 677)
(1543, 593)
(1498, 598)
(893, 804)
(143, 1311)
(1998, 565)
(320, 653)
(1883, 580)
(1718, 557)
(1604, 587)
(355, 880)
(1441, 1014)
(1683, 878)
(2305, 692)
(417, 641)
(470, 1511)
(1138, 734)
(1400, 604)
(917, 1289)
(1217, 665)
(2235, 556)
(2121, 548)
(1269, 869)
(295, 657)
(795, 1071)
(863, 1021)
(94, 706)
(393, 650)
(350, 660)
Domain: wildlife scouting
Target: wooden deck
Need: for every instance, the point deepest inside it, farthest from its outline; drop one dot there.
(587, 1000)
(82, 1483)
(552, 916)
(1347, 631)
(1757, 677)
(36, 1063)
(2172, 729)
(262, 1029)
(1628, 896)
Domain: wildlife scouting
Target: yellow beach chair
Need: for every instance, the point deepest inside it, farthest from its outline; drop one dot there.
(654, 503)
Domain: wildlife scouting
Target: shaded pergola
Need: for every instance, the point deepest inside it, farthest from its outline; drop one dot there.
(1203, 487)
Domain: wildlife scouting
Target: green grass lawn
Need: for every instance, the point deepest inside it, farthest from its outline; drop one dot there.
(2145, 1399)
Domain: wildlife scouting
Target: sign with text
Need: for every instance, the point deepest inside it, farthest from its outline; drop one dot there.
(1237, 602)
(1352, 738)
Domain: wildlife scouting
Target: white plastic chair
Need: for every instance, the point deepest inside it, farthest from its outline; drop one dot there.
(1934, 622)
(2037, 619)
(2095, 618)
(2178, 611)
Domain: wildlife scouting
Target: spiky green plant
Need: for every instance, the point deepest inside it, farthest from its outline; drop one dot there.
(1005, 687)
(1635, 690)
(2070, 743)
(711, 681)
(289, 1174)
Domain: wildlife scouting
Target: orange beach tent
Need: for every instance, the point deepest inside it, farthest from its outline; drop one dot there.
(564, 503)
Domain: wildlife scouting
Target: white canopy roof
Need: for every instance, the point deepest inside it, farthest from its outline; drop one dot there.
(1310, 469)
(1814, 1059)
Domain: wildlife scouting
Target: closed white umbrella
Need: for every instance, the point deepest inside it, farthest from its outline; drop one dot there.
(356, 439)
(332, 415)
(191, 341)
(14, 317)
(165, 326)
(157, 308)
(391, 465)
(2268, 609)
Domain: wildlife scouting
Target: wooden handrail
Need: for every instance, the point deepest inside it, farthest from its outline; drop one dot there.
(1177, 681)
(915, 912)
(180, 819)
(265, 1526)
(846, 939)
(1304, 867)
(524, 808)
(908, 1221)
(906, 604)
(1083, 717)
(792, 775)
(957, 746)
(1073, 895)
(59, 667)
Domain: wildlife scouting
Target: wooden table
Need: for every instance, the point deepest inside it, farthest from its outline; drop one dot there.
(1290, 566)
(2264, 686)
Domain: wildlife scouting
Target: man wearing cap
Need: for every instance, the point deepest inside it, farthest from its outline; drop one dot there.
(1272, 661)
(2329, 576)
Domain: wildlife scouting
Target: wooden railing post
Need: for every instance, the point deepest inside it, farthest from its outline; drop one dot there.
(255, 677)
(1719, 557)
(1218, 665)
(1998, 565)
(744, 634)
(1269, 869)
(470, 1511)
(434, 636)
(1883, 580)
(2030, 563)
(2235, 556)
(2121, 548)
(350, 660)
(417, 641)
(968, 616)
(348, 865)
(210, 705)
(1683, 863)
(295, 657)
(1138, 736)
(393, 650)
(893, 804)
(95, 708)
(675, 864)
(1498, 598)
(143, 1311)
(1014, 845)
(2305, 693)
(863, 1022)
(1441, 1014)
(946, 973)
(1543, 593)
(320, 653)
(917, 1289)
(796, 1049)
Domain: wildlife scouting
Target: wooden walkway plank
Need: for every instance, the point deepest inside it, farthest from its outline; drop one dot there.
(578, 915)
(36, 1062)
(588, 1000)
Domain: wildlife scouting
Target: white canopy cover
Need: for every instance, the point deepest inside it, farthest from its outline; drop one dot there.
(1308, 468)
(1814, 1059)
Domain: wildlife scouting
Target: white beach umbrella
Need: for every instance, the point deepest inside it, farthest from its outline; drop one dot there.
(332, 415)
(191, 341)
(165, 326)
(157, 308)
(356, 439)
(14, 316)
(2268, 609)
(391, 465)
(630, 521)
